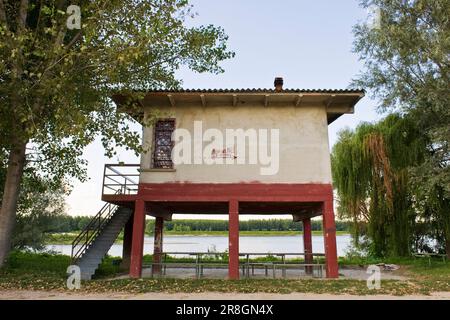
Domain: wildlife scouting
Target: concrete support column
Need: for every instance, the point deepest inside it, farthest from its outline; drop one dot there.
(127, 240)
(158, 245)
(307, 244)
(233, 240)
(329, 231)
(137, 245)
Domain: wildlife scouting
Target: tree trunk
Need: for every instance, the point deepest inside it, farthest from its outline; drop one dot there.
(8, 208)
(447, 247)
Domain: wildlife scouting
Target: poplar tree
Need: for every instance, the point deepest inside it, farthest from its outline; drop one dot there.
(60, 62)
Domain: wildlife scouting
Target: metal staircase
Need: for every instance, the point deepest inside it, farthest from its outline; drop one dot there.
(94, 242)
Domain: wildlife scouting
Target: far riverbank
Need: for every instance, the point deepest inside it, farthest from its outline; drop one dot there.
(198, 243)
(67, 238)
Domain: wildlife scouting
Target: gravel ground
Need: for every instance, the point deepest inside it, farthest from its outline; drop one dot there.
(354, 273)
(49, 295)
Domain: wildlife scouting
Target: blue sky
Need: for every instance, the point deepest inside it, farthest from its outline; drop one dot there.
(308, 43)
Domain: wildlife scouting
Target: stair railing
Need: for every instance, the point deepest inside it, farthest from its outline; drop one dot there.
(114, 182)
(88, 235)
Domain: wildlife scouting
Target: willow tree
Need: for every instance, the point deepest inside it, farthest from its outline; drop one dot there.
(60, 61)
(407, 69)
(371, 174)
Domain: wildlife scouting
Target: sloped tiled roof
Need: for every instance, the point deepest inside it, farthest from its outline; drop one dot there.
(350, 96)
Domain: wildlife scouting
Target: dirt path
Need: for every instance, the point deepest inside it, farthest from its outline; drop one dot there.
(54, 295)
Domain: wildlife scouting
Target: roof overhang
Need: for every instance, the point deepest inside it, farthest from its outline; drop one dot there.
(337, 102)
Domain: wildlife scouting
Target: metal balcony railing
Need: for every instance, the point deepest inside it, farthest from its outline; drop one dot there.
(120, 179)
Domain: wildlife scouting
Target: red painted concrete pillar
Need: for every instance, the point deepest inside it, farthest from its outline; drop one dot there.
(307, 243)
(127, 240)
(158, 245)
(137, 246)
(233, 240)
(329, 231)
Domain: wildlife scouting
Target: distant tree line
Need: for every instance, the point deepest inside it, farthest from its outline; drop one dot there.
(250, 225)
(66, 223)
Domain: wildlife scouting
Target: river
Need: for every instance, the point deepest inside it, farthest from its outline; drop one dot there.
(269, 244)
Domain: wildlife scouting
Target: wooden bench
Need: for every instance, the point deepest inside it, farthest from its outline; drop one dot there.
(266, 265)
(180, 265)
(313, 266)
(203, 265)
(198, 266)
(430, 255)
(283, 267)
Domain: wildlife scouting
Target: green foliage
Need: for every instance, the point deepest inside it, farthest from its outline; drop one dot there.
(109, 267)
(407, 69)
(56, 84)
(41, 204)
(35, 220)
(66, 223)
(23, 262)
(370, 172)
(27, 262)
(27, 271)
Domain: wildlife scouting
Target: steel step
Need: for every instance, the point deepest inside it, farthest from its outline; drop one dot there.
(96, 251)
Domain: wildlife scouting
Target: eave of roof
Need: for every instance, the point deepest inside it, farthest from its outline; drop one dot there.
(328, 95)
(253, 90)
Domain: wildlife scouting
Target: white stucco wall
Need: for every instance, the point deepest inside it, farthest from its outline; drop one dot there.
(303, 150)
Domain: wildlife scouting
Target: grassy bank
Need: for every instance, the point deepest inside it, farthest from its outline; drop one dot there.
(29, 271)
(67, 238)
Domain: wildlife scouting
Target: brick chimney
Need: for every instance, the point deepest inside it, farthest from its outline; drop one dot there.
(278, 83)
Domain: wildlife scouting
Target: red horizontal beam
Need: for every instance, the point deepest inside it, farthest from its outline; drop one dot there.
(240, 191)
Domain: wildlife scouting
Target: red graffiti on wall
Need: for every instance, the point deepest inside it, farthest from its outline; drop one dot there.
(226, 153)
